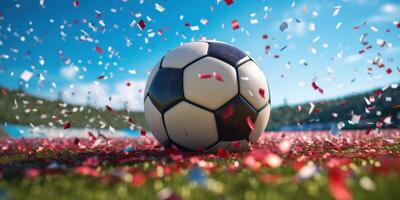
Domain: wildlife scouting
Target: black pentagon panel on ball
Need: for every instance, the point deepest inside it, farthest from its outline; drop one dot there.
(233, 119)
(226, 53)
(166, 89)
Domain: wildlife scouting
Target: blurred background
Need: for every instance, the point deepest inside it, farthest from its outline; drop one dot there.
(68, 66)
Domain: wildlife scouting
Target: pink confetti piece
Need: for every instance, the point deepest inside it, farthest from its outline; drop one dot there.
(228, 2)
(261, 92)
(250, 123)
(235, 24)
(141, 24)
(204, 76)
(218, 76)
(75, 3)
(388, 71)
(265, 36)
(99, 50)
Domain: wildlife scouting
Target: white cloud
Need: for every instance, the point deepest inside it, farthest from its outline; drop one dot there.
(390, 8)
(388, 13)
(69, 71)
(352, 58)
(100, 95)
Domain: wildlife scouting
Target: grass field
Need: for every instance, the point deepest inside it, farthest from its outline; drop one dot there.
(283, 165)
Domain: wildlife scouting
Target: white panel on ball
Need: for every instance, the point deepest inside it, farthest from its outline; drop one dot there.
(190, 126)
(183, 55)
(260, 124)
(154, 116)
(151, 77)
(214, 91)
(253, 84)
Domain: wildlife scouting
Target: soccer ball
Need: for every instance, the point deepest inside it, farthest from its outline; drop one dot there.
(207, 95)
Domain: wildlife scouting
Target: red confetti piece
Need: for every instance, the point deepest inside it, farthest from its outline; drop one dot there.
(316, 87)
(76, 141)
(138, 179)
(98, 50)
(67, 125)
(141, 24)
(187, 24)
(250, 123)
(235, 24)
(128, 84)
(389, 71)
(265, 36)
(261, 92)
(229, 2)
(361, 51)
(204, 76)
(337, 185)
(100, 77)
(398, 25)
(75, 3)
(218, 76)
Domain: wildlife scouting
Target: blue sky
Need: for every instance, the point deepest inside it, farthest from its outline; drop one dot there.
(57, 33)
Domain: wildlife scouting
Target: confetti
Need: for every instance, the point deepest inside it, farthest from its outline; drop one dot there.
(235, 24)
(218, 76)
(67, 125)
(250, 123)
(99, 50)
(337, 185)
(26, 75)
(316, 87)
(336, 10)
(311, 27)
(75, 3)
(261, 92)
(204, 76)
(228, 2)
(283, 26)
(141, 24)
(159, 7)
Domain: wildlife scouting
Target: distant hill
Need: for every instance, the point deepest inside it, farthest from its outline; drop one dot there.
(20, 108)
(383, 104)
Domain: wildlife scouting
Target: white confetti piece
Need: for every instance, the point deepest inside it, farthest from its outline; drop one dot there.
(194, 28)
(132, 71)
(338, 25)
(355, 119)
(373, 28)
(311, 27)
(159, 7)
(26, 75)
(254, 21)
(315, 39)
(204, 21)
(336, 10)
